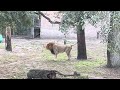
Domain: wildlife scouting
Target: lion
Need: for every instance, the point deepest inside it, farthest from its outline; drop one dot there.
(57, 48)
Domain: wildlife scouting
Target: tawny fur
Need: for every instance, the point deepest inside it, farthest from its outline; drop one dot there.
(57, 48)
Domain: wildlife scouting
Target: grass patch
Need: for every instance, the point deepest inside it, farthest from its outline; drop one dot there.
(18, 72)
(2, 45)
(34, 55)
(18, 75)
(46, 54)
(7, 58)
(87, 66)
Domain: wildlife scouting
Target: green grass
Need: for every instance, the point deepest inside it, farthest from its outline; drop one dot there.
(83, 66)
(48, 56)
(88, 66)
(2, 46)
(8, 58)
(95, 60)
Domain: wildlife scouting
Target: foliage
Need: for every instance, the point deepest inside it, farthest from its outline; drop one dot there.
(109, 22)
(71, 19)
(15, 19)
(101, 19)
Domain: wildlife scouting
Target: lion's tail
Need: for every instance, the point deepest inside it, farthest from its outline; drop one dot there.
(73, 45)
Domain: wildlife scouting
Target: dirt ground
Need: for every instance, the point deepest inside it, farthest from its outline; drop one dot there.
(30, 54)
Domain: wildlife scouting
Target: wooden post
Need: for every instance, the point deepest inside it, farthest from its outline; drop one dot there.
(40, 23)
(8, 45)
(65, 41)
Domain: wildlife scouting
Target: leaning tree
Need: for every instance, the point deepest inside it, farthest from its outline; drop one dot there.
(110, 27)
(113, 47)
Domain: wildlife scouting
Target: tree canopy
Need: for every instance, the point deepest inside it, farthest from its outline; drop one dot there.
(15, 19)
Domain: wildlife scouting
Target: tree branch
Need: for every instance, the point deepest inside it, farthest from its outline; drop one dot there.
(40, 13)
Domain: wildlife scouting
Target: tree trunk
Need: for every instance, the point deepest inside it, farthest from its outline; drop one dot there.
(8, 45)
(109, 64)
(110, 37)
(40, 22)
(65, 40)
(113, 57)
(81, 43)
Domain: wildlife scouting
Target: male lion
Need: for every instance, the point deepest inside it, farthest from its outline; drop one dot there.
(57, 48)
